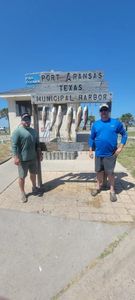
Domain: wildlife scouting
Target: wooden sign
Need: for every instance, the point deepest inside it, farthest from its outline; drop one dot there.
(77, 87)
(81, 86)
(67, 77)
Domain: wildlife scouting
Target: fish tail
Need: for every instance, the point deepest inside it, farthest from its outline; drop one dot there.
(57, 134)
(69, 137)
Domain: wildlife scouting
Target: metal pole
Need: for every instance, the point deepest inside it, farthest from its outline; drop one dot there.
(110, 105)
(36, 127)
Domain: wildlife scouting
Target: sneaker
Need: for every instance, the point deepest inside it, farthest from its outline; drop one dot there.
(35, 190)
(113, 197)
(23, 198)
(94, 193)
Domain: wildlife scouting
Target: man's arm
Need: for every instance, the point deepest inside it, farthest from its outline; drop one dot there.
(92, 141)
(14, 141)
(124, 136)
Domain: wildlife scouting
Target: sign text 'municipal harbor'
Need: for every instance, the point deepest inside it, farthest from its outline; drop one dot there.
(63, 98)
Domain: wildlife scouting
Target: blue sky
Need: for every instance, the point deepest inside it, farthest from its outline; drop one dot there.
(70, 35)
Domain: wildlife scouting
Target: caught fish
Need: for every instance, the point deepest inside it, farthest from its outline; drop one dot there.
(79, 118)
(59, 121)
(85, 117)
(53, 117)
(69, 122)
(44, 116)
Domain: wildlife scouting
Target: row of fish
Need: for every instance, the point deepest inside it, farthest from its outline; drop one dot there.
(54, 115)
(57, 117)
(81, 114)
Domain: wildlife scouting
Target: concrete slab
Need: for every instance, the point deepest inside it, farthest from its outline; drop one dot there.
(81, 164)
(112, 278)
(68, 195)
(39, 255)
(8, 171)
(8, 174)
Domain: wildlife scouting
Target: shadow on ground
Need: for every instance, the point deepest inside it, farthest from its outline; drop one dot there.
(120, 182)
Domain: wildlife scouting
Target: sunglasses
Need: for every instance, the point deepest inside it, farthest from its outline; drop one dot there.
(26, 119)
(104, 109)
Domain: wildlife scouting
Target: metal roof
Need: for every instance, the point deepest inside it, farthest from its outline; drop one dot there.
(18, 92)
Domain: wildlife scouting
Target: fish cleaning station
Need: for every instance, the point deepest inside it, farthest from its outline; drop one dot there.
(58, 103)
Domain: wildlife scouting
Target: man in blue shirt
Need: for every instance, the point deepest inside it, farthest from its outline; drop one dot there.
(103, 140)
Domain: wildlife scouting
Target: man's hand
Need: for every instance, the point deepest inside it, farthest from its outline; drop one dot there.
(118, 151)
(16, 160)
(91, 154)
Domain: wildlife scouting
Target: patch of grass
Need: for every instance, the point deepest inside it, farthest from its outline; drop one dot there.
(2, 133)
(131, 133)
(127, 157)
(112, 246)
(5, 151)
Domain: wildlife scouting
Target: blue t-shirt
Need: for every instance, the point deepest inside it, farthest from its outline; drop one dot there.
(104, 135)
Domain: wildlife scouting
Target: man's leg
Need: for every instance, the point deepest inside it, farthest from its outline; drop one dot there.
(109, 165)
(21, 184)
(104, 181)
(100, 174)
(35, 189)
(23, 170)
(33, 172)
(111, 179)
(100, 177)
(111, 182)
(33, 180)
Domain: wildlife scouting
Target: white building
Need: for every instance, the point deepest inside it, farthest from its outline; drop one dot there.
(19, 101)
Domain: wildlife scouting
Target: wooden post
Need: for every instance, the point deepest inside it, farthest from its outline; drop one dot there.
(36, 127)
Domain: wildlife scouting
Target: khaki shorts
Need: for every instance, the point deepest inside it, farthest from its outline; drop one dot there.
(106, 164)
(25, 166)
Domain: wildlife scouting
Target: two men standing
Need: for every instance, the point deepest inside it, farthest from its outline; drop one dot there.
(103, 140)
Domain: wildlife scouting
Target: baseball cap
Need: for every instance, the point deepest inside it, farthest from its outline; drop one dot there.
(26, 117)
(102, 106)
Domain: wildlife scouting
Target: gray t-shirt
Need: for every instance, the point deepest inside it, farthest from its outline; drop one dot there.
(24, 143)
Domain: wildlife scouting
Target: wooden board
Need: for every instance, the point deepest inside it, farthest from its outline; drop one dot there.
(56, 77)
(64, 146)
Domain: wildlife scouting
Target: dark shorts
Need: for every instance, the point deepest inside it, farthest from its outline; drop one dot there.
(106, 164)
(26, 166)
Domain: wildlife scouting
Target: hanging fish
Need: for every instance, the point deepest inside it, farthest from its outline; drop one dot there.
(69, 122)
(53, 117)
(85, 117)
(44, 116)
(78, 118)
(59, 121)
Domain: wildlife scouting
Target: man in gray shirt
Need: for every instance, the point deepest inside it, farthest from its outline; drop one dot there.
(25, 148)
